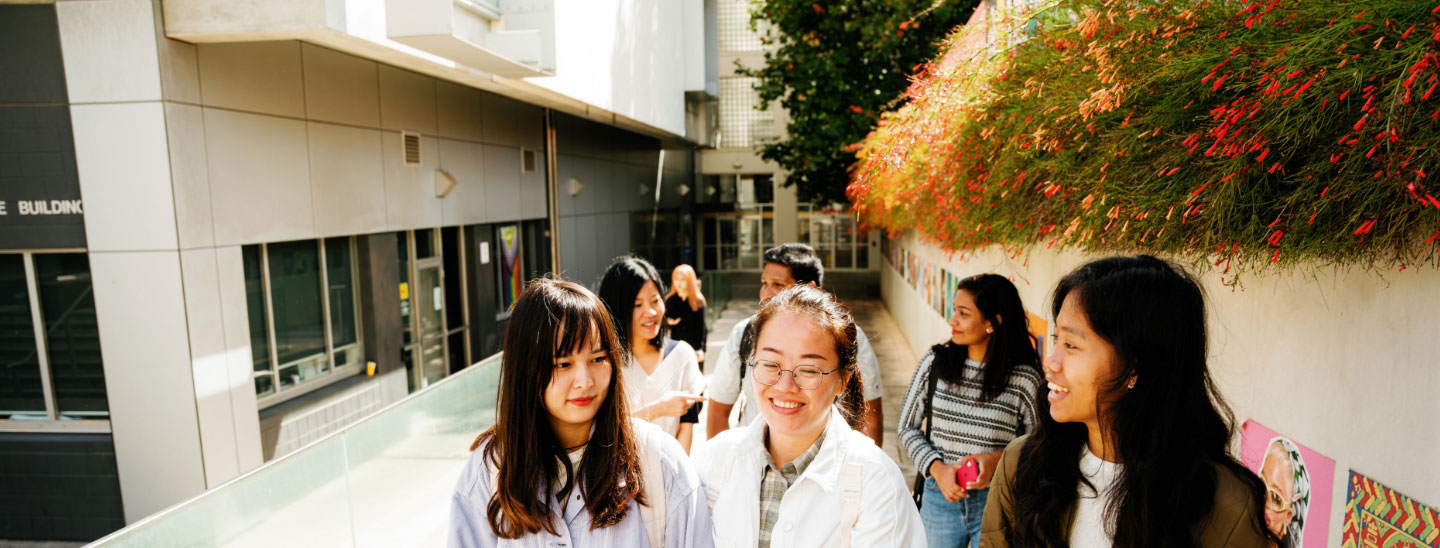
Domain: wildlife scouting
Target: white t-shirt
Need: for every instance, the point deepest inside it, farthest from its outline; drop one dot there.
(1090, 529)
(725, 383)
(678, 371)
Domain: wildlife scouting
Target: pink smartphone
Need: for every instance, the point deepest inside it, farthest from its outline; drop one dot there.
(967, 472)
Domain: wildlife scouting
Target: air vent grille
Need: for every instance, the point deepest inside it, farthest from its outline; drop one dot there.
(410, 143)
(527, 160)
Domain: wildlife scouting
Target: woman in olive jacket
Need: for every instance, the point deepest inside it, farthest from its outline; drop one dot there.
(1132, 444)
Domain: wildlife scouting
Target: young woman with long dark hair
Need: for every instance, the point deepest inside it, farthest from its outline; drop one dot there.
(1132, 448)
(564, 464)
(802, 476)
(979, 390)
(662, 375)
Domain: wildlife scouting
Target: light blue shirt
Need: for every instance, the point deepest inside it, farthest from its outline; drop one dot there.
(687, 515)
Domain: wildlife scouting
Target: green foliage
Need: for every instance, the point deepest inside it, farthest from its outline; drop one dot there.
(837, 65)
(1248, 133)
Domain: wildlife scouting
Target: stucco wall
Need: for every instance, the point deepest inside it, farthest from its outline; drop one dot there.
(1343, 361)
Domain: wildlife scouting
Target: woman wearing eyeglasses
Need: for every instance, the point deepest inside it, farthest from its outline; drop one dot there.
(803, 476)
(1132, 445)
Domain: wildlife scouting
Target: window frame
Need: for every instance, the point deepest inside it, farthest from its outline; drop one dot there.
(333, 374)
(52, 422)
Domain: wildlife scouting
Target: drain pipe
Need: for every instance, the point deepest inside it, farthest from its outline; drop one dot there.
(552, 185)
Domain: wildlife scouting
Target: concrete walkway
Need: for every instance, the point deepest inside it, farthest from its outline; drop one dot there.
(897, 362)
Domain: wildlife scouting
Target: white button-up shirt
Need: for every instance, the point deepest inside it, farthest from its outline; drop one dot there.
(812, 508)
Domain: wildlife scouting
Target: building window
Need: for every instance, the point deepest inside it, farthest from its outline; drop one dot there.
(51, 371)
(304, 329)
(742, 124)
(734, 27)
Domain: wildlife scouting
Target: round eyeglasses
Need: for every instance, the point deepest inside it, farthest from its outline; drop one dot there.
(807, 377)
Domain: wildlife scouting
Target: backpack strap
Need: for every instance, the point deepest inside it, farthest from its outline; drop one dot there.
(850, 482)
(652, 513)
(918, 489)
(718, 476)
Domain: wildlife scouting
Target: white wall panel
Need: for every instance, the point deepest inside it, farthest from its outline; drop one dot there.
(124, 168)
(264, 77)
(410, 200)
(208, 366)
(460, 111)
(140, 308)
(347, 180)
(189, 175)
(407, 100)
(259, 178)
(465, 161)
(109, 48)
(502, 183)
(238, 364)
(340, 88)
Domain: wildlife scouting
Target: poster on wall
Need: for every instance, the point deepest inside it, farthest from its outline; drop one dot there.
(511, 279)
(1297, 485)
(1378, 516)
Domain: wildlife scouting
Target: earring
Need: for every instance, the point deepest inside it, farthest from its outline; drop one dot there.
(1131, 386)
(989, 330)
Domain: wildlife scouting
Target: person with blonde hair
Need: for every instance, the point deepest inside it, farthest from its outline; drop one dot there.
(685, 310)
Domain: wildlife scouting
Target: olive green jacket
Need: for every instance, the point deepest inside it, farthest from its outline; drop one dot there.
(1231, 524)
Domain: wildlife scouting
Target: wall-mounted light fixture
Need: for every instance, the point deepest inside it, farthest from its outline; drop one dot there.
(575, 187)
(683, 189)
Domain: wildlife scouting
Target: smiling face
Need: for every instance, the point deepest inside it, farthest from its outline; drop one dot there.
(774, 279)
(578, 386)
(646, 316)
(967, 325)
(1079, 369)
(793, 341)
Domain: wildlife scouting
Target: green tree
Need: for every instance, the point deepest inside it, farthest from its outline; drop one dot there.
(837, 66)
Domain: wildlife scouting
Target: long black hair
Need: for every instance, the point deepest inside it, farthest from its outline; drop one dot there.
(1171, 432)
(552, 318)
(619, 288)
(1010, 345)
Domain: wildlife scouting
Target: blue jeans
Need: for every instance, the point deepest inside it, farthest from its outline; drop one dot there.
(952, 524)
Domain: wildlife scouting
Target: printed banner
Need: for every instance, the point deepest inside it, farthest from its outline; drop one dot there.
(1377, 516)
(511, 280)
(1297, 485)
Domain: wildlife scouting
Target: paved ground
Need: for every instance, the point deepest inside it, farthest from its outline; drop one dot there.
(897, 361)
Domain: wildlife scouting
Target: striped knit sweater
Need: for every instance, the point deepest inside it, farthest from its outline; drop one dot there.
(963, 425)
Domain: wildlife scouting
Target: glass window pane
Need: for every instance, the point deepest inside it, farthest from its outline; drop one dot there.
(406, 334)
(341, 276)
(255, 306)
(72, 337)
(264, 385)
(295, 298)
(20, 390)
(424, 243)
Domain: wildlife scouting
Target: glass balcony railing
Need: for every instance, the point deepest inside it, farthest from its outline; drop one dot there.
(384, 481)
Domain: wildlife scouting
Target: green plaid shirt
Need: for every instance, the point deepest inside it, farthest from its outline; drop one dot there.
(775, 482)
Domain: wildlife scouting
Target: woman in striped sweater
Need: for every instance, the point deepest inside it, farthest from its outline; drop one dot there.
(978, 391)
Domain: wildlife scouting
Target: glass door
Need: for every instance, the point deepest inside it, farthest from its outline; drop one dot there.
(430, 314)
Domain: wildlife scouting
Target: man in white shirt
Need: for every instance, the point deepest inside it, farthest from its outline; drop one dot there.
(785, 265)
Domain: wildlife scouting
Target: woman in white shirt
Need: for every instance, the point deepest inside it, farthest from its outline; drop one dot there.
(662, 376)
(803, 476)
(564, 465)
